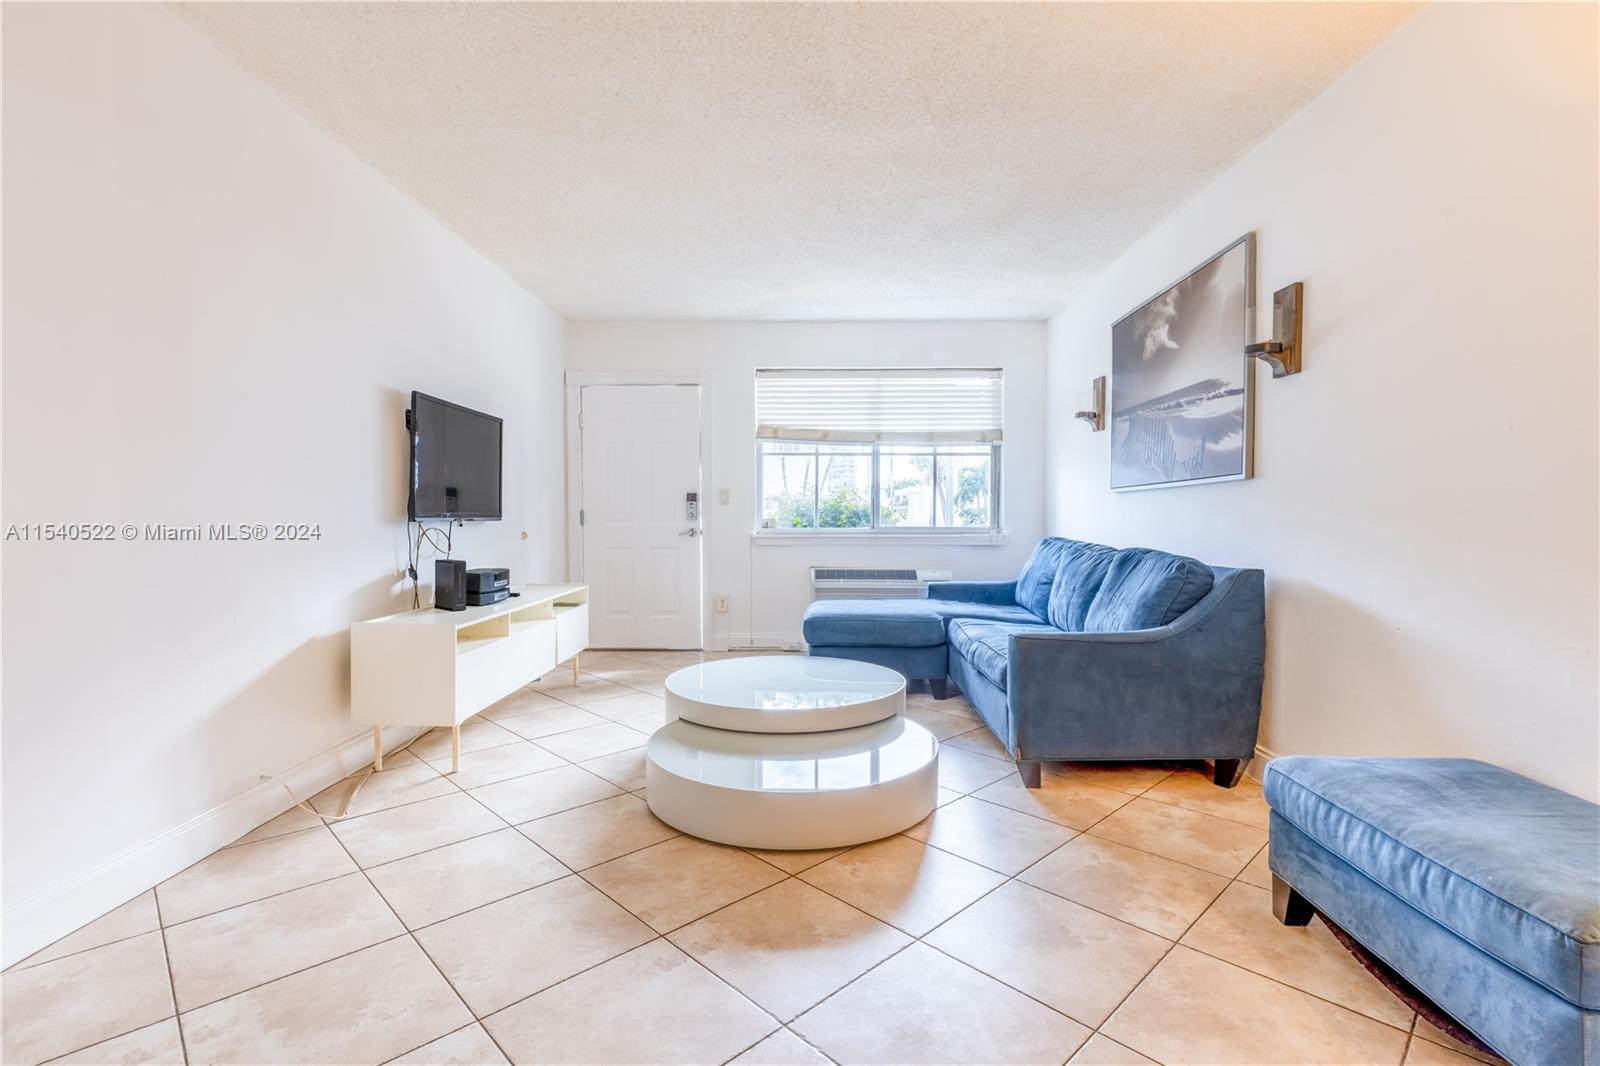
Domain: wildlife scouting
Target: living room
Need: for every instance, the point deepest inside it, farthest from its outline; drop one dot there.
(953, 561)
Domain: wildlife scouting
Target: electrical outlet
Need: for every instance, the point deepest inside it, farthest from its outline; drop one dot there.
(722, 604)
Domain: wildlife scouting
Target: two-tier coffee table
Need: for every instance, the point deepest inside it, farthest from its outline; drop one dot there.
(790, 752)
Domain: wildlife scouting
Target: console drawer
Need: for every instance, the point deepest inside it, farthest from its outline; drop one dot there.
(572, 629)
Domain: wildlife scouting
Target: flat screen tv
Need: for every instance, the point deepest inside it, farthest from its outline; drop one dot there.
(455, 461)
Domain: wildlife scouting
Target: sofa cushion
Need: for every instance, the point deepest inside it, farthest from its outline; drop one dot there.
(1082, 571)
(986, 644)
(1039, 573)
(895, 623)
(1145, 588)
(1505, 863)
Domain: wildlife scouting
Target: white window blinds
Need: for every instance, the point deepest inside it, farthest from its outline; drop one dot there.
(866, 406)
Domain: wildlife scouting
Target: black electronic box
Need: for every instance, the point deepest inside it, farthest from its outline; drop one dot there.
(450, 584)
(488, 579)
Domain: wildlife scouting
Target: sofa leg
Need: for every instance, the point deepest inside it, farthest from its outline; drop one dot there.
(1227, 772)
(1031, 771)
(938, 688)
(1289, 906)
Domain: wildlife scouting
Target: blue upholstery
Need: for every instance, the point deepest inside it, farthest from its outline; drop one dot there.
(880, 623)
(1144, 655)
(1190, 689)
(915, 664)
(999, 592)
(1508, 864)
(986, 644)
(987, 698)
(1477, 885)
(896, 623)
(1083, 570)
(1038, 574)
(1144, 588)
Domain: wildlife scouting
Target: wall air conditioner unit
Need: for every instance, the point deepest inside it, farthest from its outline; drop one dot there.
(847, 583)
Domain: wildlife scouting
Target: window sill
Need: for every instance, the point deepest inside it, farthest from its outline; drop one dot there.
(971, 540)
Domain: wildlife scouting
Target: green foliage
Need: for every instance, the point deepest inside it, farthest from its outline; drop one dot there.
(972, 497)
(844, 508)
(791, 510)
(961, 496)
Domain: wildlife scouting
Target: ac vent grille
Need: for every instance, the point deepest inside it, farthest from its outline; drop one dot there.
(820, 574)
(873, 583)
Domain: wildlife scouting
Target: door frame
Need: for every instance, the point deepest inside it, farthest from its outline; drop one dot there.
(575, 381)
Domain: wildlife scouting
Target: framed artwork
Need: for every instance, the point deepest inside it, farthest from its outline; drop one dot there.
(1182, 389)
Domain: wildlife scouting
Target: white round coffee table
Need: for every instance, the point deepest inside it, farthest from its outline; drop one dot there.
(790, 753)
(784, 694)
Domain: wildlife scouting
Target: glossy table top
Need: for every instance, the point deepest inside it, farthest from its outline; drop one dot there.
(784, 693)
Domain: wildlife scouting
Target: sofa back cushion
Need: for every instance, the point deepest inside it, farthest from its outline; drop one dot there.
(1144, 588)
(1080, 575)
(1038, 573)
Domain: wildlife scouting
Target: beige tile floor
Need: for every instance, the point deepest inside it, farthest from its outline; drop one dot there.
(531, 909)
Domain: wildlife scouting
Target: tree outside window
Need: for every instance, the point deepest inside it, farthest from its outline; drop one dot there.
(806, 486)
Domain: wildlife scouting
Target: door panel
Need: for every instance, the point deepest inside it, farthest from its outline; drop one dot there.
(641, 456)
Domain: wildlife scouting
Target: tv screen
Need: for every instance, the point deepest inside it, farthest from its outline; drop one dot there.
(455, 461)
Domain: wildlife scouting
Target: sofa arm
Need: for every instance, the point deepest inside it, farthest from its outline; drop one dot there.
(1191, 689)
(1003, 593)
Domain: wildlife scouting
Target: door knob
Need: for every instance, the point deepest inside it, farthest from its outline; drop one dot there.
(691, 532)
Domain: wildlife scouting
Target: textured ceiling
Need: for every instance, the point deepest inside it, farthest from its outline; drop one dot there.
(798, 161)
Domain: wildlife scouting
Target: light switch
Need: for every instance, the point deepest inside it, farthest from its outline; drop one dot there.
(722, 495)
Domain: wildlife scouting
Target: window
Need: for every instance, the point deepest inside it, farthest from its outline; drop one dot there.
(869, 450)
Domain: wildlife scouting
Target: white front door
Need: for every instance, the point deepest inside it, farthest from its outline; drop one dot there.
(641, 550)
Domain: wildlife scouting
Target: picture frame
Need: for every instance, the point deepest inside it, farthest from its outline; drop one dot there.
(1182, 403)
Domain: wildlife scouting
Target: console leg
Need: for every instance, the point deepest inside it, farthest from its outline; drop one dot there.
(377, 749)
(1031, 771)
(938, 688)
(1289, 906)
(455, 748)
(1227, 772)
(575, 671)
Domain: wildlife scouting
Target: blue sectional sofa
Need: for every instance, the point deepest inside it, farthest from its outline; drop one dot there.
(1093, 653)
(1477, 886)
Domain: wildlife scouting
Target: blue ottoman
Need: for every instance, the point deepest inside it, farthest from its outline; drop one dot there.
(1477, 885)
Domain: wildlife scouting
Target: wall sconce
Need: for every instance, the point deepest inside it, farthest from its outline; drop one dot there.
(1282, 353)
(1096, 415)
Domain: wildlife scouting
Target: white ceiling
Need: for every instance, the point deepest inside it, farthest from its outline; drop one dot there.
(799, 161)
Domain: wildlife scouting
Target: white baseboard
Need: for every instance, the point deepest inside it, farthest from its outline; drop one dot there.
(775, 641)
(1258, 765)
(47, 916)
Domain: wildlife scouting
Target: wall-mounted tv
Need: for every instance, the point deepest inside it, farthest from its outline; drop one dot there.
(455, 461)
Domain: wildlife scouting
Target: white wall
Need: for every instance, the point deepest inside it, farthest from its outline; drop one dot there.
(212, 313)
(767, 583)
(1425, 499)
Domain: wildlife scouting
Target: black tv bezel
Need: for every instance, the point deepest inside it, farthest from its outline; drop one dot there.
(411, 465)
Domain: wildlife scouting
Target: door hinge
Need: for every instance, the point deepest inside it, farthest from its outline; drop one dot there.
(580, 516)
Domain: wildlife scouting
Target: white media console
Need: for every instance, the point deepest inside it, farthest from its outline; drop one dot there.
(438, 668)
